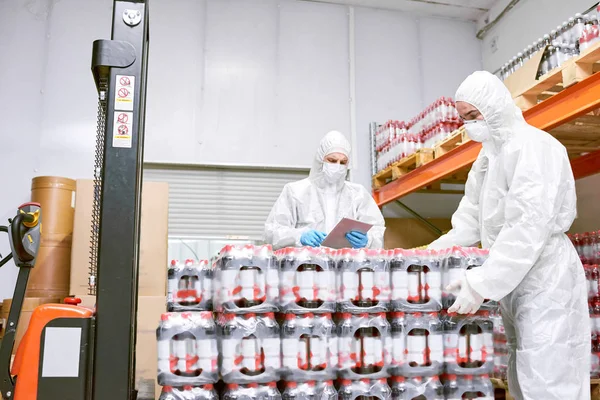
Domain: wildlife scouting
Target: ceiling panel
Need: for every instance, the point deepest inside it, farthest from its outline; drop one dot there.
(469, 10)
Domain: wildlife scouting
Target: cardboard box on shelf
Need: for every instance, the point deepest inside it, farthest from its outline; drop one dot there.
(408, 233)
(148, 317)
(153, 238)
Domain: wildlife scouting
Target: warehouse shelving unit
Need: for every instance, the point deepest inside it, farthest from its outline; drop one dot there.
(571, 115)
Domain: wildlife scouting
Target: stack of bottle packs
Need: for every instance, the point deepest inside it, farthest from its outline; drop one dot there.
(317, 322)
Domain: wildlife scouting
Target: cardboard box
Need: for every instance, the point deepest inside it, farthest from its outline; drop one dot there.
(153, 239)
(148, 317)
(29, 304)
(408, 233)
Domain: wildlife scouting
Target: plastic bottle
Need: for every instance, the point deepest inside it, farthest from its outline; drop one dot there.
(596, 248)
(552, 58)
(578, 27)
(519, 60)
(565, 32)
(586, 249)
(416, 346)
(595, 274)
(595, 323)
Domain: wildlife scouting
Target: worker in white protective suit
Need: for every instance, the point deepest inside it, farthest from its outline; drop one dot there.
(519, 202)
(307, 210)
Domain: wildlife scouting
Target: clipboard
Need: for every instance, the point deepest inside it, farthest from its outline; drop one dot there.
(337, 237)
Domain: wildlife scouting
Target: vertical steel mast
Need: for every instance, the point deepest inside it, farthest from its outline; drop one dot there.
(119, 67)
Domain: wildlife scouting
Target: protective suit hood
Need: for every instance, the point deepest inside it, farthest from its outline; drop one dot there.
(488, 94)
(332, 142)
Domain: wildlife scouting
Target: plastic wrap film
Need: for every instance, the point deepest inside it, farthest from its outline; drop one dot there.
(310, 390)
(469, 344)
(416, 281)
(417, 387)
(187, 349)
(468, 387)
(251, 391)
(500, 347)
(309, 347)
(189, 286)
(395, 140)
(363, 280)
(365, 346)
(247, 280)
(417, 344)
(307, 280)
(593, 277)
(455, 262)
(249, 348)
(588, 248)
(364, 389)
(205, 392)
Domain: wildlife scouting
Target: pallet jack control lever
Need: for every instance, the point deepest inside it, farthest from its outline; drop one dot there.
(24, 233)
(53, 359)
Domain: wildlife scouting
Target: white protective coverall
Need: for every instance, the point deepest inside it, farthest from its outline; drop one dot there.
(303, 205)
(519, 202)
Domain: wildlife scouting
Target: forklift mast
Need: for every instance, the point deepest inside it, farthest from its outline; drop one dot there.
(119, 67)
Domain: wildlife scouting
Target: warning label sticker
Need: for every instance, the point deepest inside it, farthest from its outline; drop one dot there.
(122, 129)
(124, 92)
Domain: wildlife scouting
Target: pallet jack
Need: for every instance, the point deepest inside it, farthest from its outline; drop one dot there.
(71, 352)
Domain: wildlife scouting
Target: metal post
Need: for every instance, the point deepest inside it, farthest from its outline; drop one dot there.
(372, 131)
(418, 216)
(119, 67)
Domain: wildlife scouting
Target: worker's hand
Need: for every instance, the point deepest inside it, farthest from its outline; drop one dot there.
(468, 300)
(312, 238)
(358, 240)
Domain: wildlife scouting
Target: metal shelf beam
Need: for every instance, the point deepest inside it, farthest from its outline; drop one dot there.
(448, 164)
(559, 109)
(567, 105)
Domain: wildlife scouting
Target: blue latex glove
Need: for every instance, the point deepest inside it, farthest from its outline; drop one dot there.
(312, 238)
(358, 240)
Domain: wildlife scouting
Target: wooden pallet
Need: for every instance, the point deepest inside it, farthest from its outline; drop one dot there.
(580, 136)
(501, 387)
(457, 138)
(402, 167)
(595, 388)
(528, 91)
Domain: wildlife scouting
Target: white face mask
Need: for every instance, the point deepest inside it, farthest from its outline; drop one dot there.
(478, 130)
(334, 172)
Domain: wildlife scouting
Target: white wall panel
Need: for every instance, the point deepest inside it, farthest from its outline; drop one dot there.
(449, 53)
(312, 80)
(258, 75)
(237, 113)
(23, 28)
(176, 77)
(388, 78)
(69, 109)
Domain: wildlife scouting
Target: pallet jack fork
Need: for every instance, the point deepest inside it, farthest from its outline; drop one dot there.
(71, 352)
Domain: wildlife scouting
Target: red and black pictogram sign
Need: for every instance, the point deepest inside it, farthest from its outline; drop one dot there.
(123, 118)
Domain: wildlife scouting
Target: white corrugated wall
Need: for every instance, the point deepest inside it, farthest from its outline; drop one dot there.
(220, 202)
